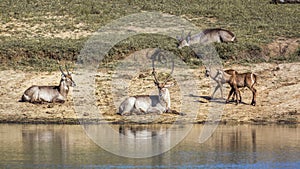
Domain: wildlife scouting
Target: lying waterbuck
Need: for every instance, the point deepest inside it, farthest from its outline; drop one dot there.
(143, 104)
(219, 77)
(39, 94)
(207, 36)
(244, 80)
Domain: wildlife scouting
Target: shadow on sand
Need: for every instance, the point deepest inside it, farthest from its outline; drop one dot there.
(215, 100)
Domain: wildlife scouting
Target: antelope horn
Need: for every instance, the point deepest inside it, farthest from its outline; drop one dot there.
(62, 71)
(67, 69)
(154, 74)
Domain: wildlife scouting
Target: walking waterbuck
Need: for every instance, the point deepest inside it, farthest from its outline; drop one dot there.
(143, 104)
(207, 36)
(39, 94)
(244, 80)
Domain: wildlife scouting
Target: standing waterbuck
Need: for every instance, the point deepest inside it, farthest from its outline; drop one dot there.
(143, 104)
(244, 80)
(220, 77)
(207, 36)
(39, 94)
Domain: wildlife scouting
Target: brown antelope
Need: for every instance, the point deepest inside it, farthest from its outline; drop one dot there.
(39, 94)
(220, 77)
(244, 80)
(143, 104)
(207, 36)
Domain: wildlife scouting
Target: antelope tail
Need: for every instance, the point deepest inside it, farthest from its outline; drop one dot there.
(253, 79)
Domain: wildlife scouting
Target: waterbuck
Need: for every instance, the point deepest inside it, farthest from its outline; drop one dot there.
(143, 104)
(219, 77)
(40, 94)
(207, 36)
(244, 80)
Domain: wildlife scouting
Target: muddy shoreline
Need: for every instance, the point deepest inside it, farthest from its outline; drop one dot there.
(103, 121)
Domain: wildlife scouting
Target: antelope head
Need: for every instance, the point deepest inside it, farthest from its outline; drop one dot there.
(67, 78)
(182, 42)
(162, 87)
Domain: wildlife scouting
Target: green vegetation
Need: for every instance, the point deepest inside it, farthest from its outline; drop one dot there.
(37, 33)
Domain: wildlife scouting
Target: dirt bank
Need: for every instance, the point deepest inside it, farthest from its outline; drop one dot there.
(277, 100)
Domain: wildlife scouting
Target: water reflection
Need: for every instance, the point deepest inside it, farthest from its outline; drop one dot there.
(143, 131)
(54, 146)
(136, 141)
(41, 142)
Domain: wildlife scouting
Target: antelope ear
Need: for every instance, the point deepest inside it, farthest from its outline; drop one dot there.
(219, 71)
(188, 37)
(63, 76)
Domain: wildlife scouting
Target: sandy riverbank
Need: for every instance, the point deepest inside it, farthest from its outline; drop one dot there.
(277, 100)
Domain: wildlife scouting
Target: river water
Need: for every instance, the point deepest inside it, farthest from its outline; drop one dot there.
(67, 146)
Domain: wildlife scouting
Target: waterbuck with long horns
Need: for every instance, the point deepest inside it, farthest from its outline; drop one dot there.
(40, 94)
(207, 36)
(144, 104)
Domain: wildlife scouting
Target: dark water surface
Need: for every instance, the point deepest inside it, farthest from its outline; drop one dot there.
(67, 146)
